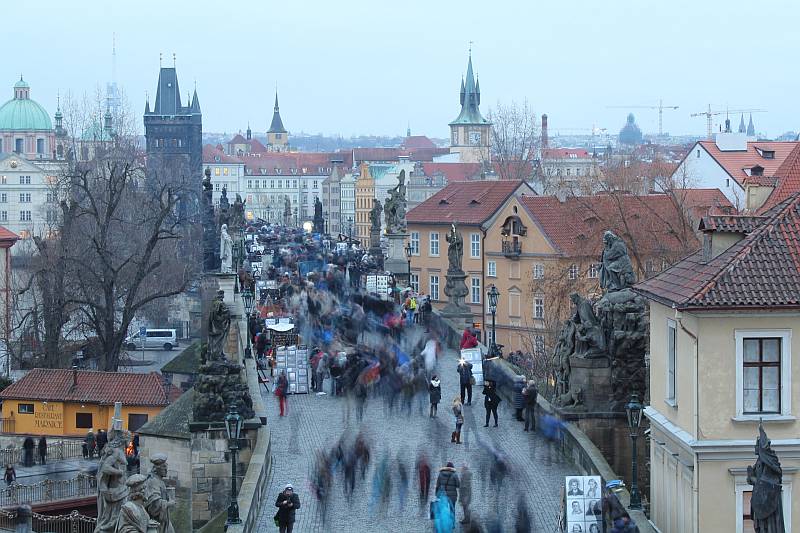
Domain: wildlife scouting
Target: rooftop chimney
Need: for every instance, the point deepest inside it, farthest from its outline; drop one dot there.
(544, 131)
(74, 377)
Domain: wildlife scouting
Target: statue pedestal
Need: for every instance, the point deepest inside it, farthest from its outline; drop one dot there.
(396, 261)
(592, 377)
(227, 283)
(456, 290)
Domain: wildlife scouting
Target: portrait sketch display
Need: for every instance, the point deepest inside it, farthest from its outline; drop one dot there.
(583, 504)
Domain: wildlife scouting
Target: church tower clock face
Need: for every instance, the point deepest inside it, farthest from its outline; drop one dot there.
(475, 138)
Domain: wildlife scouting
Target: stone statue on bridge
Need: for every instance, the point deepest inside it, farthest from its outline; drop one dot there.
(219, 323)
(225, 251)
(395, 206)
(156, 497)
(616, 271)
(111, 487)
(132, 516)
(455, 249)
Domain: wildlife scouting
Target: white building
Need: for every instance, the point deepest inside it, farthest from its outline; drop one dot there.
(347, 193)
(730, 163)
(28, 197)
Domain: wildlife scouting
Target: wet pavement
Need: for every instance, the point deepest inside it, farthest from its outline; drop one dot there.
(315, 423)
(65, 469)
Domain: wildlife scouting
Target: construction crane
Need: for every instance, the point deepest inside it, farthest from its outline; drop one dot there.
(708, 114)
(661, 107)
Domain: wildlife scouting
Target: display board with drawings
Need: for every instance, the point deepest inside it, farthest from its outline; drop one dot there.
(473, 355)
(378, 284)
(294, 360)
(583, 504)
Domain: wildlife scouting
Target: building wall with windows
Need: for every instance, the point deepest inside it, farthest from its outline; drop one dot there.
(704, 414)
(28, 199)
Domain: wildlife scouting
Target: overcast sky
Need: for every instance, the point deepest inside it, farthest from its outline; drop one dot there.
(372, 66)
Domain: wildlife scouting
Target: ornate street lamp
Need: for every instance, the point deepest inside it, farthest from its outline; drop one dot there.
(233, 425)
(633, 410)
(408, 257)
(493, 296)
(248, 299)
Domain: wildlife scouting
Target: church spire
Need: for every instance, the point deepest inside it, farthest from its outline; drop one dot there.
(277, 124)
(470, 99)
(751, 129)
(742, 129)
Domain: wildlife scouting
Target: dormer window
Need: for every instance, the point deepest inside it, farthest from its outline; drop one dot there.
(757, 170)
(766, 154)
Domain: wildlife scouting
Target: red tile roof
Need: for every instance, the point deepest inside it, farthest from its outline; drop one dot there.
(417, 141)
(213, 154)
(394, 154)
(565, 153)
(787, 180)
(7, 235)
(453, 171)
(760, 271)
(104, 388)
(654, 222)
(734, 162)
(730, 223)
(468, 202)
(292, 163)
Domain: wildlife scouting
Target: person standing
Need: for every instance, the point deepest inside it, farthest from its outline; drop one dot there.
(281, 390)
(42, 448)
(89, 440)
(10, 475)
(531, 395)
(468, 339)
(435, 392)
(465, 498)
(459, 415)
(27, 448)
(287, 503)
(102, 440)
(518, 398)
(465, 380)
(490, 402)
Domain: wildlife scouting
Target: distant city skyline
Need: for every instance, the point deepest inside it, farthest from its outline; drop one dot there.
(357, 68)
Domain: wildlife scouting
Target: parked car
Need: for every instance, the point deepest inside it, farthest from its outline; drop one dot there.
(158, 339)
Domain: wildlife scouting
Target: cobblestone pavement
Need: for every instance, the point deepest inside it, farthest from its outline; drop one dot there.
(316, 422)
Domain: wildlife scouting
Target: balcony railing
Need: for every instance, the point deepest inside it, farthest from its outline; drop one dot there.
(512, 249)
(82, 486)
(56, 451)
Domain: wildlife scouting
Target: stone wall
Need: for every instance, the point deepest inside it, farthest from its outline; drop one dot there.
(179, 474)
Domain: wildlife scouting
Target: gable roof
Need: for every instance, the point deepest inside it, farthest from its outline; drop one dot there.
(212, 154)
(575, 225)
(734, 162)
(762, 270)
(452, 171)
(293, 164)
(467, 203)
(7, 235)
(566, 153)
(787, 180)
(417, 141)
(104, 388)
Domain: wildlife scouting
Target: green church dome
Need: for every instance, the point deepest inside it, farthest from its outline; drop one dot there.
(23, 114)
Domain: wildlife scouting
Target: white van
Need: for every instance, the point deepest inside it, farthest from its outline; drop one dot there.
(159, 339)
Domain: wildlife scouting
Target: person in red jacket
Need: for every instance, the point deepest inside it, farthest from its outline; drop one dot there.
(468, 339)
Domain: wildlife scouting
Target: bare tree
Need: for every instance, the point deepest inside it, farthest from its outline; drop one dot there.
(515, 141)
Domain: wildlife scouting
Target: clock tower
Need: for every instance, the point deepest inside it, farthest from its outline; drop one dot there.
(470, 133)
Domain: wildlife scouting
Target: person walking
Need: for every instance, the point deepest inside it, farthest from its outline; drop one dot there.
(281, 390)
(457, 412)
(531, 394)
(465, 379)
(287, 503)
(424, 477)
(465, 493)
(447, 484)
(102, 440)
(42, 449)
(518, 398)
(10, 475)
(435, 392)
(490, 402)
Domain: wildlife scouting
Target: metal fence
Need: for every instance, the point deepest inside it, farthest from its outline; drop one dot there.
(29, 522)
(82, 486)
(56, 451)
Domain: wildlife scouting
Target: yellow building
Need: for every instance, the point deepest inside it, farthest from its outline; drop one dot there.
(365, 194)
(724, 331)
(63, 402)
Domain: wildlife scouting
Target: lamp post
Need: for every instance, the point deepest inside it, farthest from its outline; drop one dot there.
(233, 425)
(493, 295)
(248, 298)
(633, 410)
(408, 257)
